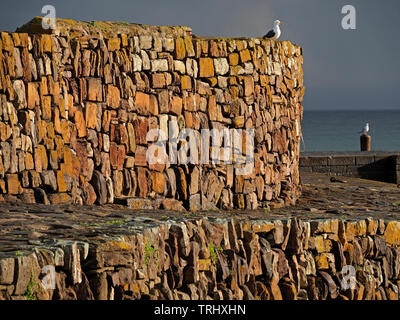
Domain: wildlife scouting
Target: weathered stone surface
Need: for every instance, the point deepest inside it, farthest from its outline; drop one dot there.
(13, 184)
(206, 67)
(113, 97)
(172, 204)
(100, 187)
(7, 266)
(392, 233)
(75, 116)
(221, 66)
(26, 267)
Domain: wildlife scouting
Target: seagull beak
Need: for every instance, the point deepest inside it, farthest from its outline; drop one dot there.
(280, 22)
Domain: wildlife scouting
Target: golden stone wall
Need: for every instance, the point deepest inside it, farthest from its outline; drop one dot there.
(76, 107)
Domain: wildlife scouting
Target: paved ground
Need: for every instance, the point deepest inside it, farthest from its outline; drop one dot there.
(23, 226)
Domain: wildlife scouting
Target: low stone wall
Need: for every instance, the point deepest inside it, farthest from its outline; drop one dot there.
(214, 259)
(380, 166)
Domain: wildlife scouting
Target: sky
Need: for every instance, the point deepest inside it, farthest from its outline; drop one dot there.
(343, 69)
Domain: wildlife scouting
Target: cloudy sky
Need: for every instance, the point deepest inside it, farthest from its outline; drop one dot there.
(343, 69)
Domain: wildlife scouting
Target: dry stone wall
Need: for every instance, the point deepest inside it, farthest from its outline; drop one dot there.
(76, 108)
(214, 259)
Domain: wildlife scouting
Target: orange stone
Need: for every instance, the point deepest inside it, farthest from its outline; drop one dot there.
(117, 156)
(33, 95)
(41, 130)
(189, 46)
(142, 182)
(140, 156)
(29, 164)
(233, 59)
(153, 107)
(158, 182)
(13, 184)
(95, 89)
(214, 50)
(191, 102)
(46, 42)
(158, 80)
(142, 103)
(76, 166)
(206, 67)
(141, 125)
(43, 154)
(59, 198)
(113, 97)
(46, 108)
(245, 55)
(66, 130)
(212, 108)
(186, 83)
(176, 105)
(392, 233)
(180, 51)
(8, 44)
(62, 187)
(5, 131)
(91, 115)
(212, 81)
(67, 154)
(124, 40)
(248, 86)
(188, 119)
(114, 44)
(264, 81)
(80, 124)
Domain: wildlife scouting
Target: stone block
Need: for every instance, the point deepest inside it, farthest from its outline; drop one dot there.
(13, 184)
(221, 66)
(364, 160)
(176, 105)
(206, 67)
(159, 65)
(95, 90)
(313, 161)
(341, 160)
(7, 266)
(142, 102)
(113, 97)
(114, 44)
(180, 51)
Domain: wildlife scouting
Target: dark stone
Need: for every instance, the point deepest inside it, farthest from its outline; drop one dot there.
(100, 187)
(41, 196)
(332, 286)
(82, 290)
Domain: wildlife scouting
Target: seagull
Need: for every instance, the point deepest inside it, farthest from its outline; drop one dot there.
(366, 129)
(275, 33)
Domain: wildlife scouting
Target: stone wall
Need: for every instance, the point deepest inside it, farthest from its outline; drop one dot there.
(380, 166)
(76, 106)
(214, 259)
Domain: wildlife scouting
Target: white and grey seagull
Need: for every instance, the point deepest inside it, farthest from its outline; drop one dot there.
(365, 129)
(275, 33)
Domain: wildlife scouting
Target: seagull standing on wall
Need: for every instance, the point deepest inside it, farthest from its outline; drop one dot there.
(365, 129)
(275, 33)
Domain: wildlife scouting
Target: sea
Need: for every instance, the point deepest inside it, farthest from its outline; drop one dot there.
(339, 130)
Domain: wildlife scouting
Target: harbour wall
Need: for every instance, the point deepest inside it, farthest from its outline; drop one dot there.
(77, 104)
(380, 166)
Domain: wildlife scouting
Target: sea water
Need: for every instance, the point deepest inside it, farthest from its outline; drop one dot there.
(338, 130)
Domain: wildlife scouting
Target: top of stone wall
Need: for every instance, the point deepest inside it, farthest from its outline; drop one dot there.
(111, 29)
(105, 29)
